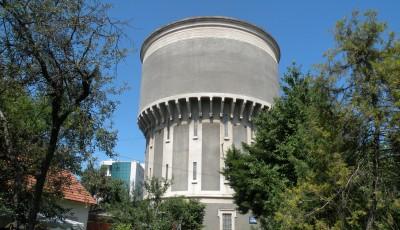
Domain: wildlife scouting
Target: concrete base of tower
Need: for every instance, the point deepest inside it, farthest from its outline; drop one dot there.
(219, 214)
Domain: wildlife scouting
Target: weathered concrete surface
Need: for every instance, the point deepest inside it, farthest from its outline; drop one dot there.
(208, 65)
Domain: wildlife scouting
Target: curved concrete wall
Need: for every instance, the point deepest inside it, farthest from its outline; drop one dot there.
(209, 55)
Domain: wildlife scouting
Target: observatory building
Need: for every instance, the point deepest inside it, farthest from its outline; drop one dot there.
(204, 80)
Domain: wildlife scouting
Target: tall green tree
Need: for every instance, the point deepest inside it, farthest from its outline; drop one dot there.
(326, 154)
(369, 66)
(57, 65)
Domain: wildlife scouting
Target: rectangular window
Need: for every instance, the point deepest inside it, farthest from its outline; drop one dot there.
(166, 171)
(168, 131)
(194, 170)
(150, 173)
(227, 221)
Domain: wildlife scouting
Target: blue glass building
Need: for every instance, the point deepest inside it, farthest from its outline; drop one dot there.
(130, 172)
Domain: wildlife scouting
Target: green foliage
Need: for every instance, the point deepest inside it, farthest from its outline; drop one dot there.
(326, 154)
(186, 213)
(123, 227)
(155, 212)
(371, 94)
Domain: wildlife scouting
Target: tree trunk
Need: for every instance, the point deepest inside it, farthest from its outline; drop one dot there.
(375, 173)
(41, 177)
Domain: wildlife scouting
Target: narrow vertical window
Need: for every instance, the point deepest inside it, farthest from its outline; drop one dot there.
(166, 171)
(150, 173)
(194, 170)
(168, 131)
(195, 124)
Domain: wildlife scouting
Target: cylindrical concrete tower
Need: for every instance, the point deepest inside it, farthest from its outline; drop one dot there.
(203, 81)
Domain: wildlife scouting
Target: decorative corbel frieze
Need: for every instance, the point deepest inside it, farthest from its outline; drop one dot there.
(179, 109)
(251, 110)
(200, 110)
(211, 107)
(188, 107)
(221, 113)
(153, 113)
(233, 107)
(169, 111)
(243, 105)
(160, 112)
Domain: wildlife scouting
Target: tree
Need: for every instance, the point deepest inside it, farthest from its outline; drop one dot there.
(370, 67)
(156, 212)
(57, 60)
(185, 214)
(326, 153)
(282, 155)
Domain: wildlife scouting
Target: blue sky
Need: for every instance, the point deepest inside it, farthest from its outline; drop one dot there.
(303, 30)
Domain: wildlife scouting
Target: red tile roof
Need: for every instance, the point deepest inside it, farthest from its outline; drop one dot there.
(72, 190)
(76, 192)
